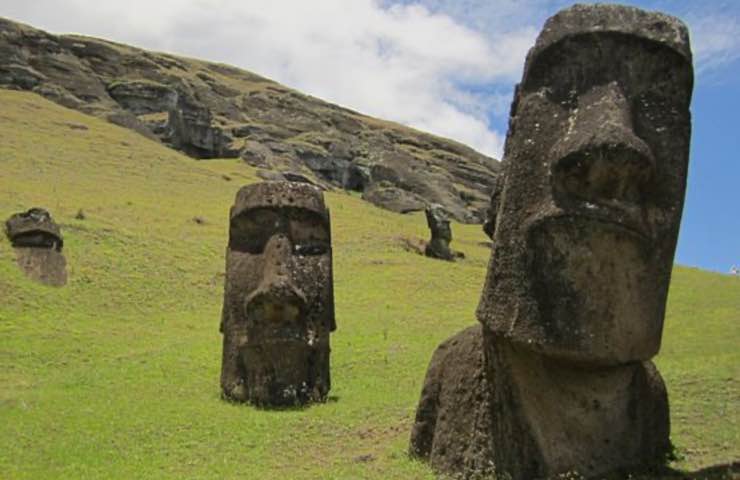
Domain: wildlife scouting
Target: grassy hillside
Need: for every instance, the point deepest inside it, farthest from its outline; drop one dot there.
(212, 110)
(116, 374)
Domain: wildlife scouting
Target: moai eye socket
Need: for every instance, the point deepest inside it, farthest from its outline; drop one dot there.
(250, 231)
(309, 235)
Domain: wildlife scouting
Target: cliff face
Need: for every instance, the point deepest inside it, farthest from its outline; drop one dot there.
(210, 110)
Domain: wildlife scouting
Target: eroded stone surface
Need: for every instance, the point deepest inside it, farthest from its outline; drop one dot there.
(278, 300)
(441, 234)
(38, 244)
(211, 110)
(584, 229)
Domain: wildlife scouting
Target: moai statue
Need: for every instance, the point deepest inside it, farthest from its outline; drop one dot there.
(439, 225)
(38, 244)
(490, 223)
(278, 299)
(557, 377)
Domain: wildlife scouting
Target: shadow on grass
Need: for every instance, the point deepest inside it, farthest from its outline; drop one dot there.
(725, 471)
(278, 408)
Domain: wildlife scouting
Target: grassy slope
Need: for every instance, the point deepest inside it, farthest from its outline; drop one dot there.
(116, 375)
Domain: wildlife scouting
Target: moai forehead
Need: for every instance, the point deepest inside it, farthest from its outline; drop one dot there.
(581, 19)
(595, 169)
(276, 195)
(33, 221)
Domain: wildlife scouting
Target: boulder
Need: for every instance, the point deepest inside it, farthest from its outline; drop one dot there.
(143, 96)
(388, 196)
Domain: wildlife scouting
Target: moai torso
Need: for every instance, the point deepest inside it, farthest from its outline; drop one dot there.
(583, 241)
(278, 298)
(38, 243)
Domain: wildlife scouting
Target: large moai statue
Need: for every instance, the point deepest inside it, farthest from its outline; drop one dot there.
(278, 299)
(557, 377)
(37, 241)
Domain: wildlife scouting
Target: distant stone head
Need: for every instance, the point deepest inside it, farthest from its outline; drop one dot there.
(38, 244)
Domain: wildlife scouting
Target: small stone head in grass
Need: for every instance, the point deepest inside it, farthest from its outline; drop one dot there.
(38, 243)
(278, 301)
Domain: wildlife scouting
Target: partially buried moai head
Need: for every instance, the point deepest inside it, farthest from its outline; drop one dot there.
(278, 304)
(37, 241)
(34, 229)
(595, 171)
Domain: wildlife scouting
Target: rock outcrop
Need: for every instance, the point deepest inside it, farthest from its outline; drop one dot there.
(210, 110)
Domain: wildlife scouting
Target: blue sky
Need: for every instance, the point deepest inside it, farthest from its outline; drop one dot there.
(710, 229)
(445, 66)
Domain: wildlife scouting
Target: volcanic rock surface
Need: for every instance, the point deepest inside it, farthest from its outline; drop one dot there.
(210, 110)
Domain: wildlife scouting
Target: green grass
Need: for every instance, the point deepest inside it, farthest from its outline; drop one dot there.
(116, 374)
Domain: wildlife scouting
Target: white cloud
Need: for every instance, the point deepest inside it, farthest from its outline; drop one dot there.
(399, 62)
(446, 66)
(714, 25)
(715, 41)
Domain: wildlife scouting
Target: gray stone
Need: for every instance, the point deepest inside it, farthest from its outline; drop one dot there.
(209, 110)
(439, 225)
(142, 97)
(584, 234)
(278, 299)
(390, 197)
(38, 243)
(191, 128)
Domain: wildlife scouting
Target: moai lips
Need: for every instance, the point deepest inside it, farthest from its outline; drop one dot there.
(38, 244)
(278, 301)
(584, 223)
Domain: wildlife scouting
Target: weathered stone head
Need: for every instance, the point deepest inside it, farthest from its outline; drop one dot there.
(441, 233)
(278, 301)
(38, 243)
(557, 379)
(34, 228)
(595, 171)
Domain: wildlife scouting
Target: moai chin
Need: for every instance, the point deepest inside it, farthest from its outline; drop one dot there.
(278, 299)
(559, 377)
(37, 241)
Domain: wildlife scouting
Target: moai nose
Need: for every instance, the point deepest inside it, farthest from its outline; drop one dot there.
(276, 254)
(600, 157)
(277, 298)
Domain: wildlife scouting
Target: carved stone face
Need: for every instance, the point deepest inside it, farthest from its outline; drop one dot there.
(34, 229)
(278, 305)
(595, 172)
(38, 243)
